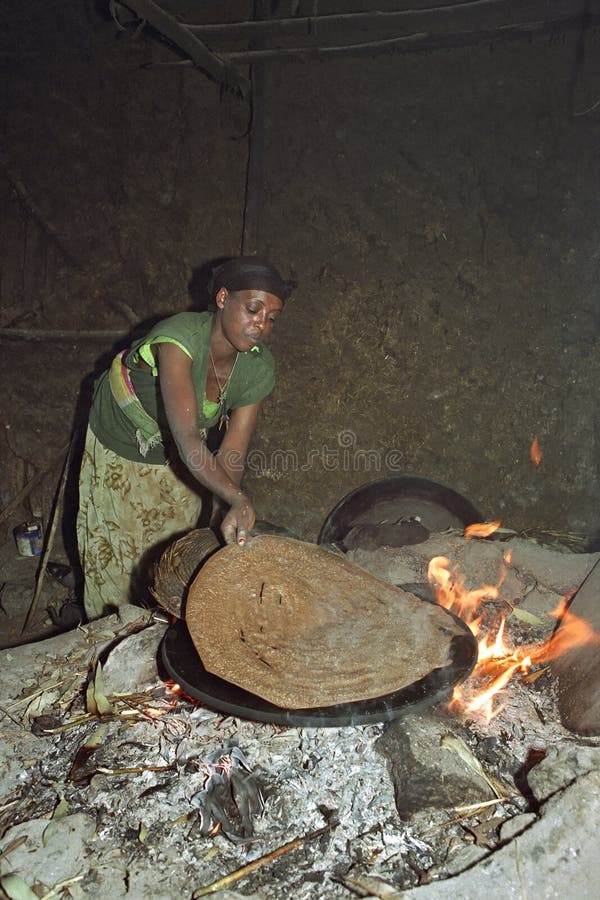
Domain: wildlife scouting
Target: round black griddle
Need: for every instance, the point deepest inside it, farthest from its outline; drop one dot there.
(410, 495)
(181, 661)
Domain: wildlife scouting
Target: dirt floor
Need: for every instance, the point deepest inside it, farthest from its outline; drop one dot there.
(438, 209)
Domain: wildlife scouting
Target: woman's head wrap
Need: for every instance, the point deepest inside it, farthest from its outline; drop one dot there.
(247, 273)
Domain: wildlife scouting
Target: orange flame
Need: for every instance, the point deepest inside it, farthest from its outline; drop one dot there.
(535, 452)
(481, 529)
(451, 593)
(497, 662)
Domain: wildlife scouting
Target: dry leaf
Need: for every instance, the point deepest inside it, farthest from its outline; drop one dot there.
(486, 833)
(39, 703)
(371, 887)
(458, 746)
(76, 772)
(527, 617)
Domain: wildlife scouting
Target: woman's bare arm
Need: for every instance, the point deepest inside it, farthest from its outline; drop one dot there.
(234, 446)
(180, 402)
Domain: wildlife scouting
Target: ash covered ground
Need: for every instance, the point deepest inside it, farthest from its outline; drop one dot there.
(109, 776)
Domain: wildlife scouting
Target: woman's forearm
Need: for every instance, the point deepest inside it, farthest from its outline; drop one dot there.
(208, 470)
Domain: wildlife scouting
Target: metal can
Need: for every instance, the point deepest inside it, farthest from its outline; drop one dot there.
(29, 539)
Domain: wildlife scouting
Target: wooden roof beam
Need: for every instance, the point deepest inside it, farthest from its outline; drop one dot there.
(467, 16)
(222, 71)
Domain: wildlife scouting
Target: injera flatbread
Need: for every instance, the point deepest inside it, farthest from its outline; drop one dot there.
(302, 627)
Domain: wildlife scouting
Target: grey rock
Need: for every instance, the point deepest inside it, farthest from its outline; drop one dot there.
(512, 827)
(425, 776)
(482, 562)
(464, 858)
(560, 572)
(541, 602)
(132, 665)
(561, 766)
(578, 673)
(556, 857)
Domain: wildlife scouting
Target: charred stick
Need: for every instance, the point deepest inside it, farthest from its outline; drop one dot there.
(3, 808)
(233, 877)
(56, 509)
(467, 812)
(18, 499)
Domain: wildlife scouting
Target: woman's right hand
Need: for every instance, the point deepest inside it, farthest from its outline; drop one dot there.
(238, 522)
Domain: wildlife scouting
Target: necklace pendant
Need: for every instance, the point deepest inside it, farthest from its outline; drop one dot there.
(223, 414)
(221, 399)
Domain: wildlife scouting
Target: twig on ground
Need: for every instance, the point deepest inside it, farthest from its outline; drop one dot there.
(60, 887)
(467, 813)
(134, 770)
(233, 877)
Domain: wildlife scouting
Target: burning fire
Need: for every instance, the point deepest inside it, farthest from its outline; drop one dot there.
(497, 661)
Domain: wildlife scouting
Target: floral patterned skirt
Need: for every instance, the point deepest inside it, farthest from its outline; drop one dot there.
(128, 513)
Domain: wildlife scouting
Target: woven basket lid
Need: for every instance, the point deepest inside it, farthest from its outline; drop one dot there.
(177, 566)
(302, 627)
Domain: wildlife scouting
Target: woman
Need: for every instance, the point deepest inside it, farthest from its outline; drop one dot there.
(146, 447)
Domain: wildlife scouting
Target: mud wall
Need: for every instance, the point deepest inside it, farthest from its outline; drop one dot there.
(439, 210)
(445, 225)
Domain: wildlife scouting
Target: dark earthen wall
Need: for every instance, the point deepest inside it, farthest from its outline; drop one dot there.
(440, 211)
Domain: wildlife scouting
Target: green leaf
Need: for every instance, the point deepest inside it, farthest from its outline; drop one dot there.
(96, 739)
(96, 700)
(61, 810)
(49, 832)
(14, 886)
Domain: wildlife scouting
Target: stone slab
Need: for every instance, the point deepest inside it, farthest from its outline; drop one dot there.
(132, 665)
(578, 671)
(555, 858)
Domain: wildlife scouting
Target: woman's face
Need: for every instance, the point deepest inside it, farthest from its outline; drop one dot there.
(247, 317)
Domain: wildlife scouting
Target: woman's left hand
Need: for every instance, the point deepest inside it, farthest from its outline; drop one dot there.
(217, 513)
